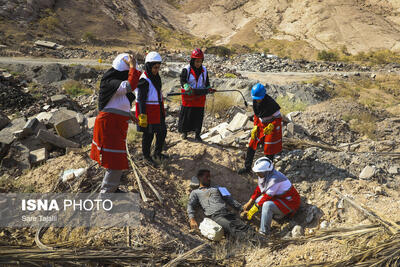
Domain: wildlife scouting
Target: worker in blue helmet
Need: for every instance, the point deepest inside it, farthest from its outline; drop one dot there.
(267, 130)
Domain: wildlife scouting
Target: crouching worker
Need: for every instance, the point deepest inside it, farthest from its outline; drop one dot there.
(213, 201)
(275, 196)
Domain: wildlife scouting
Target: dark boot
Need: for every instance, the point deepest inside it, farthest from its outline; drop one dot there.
(184, 135)
(198, 137)
(248, 162)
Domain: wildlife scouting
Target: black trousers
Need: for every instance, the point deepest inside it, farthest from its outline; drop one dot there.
(148, 139)
(232, 225)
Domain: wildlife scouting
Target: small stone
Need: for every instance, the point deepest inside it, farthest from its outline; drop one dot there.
(394, 169)
(378, 190)
(194, 182)
(324, 225)
(297, 231)
(46, 107)
(38, 156)
(367, 173)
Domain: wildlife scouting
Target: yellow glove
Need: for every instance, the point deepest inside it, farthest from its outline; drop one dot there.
(268, 130)
(252, 211)
(142, 120)
(254, 133)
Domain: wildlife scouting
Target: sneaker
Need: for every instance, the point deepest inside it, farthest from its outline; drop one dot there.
(244, 171)
(184, 136)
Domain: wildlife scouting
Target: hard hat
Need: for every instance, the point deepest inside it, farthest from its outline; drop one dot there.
(258, 91)
(197, 53)
(153, 57)
(263, 164)
(119, 64)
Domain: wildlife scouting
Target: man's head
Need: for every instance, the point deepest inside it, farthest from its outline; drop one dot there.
(204, 177)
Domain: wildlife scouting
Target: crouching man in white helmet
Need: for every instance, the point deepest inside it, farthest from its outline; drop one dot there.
(275, 196)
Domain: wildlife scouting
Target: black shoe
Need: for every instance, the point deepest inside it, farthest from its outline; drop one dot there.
(198, 138)
(184, 136)
(244, 171)
(150, 161)
(161, 156)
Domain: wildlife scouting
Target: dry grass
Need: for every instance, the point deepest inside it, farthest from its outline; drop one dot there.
(133, 135)
(219, 102)
(75, 88)
(383, 93)
(362, 123)
(288, 105)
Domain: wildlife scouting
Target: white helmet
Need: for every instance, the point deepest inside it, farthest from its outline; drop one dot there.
(263, 164)
(153, 57)
(119, 64)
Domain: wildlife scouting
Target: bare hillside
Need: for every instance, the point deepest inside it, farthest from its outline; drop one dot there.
(359, 25)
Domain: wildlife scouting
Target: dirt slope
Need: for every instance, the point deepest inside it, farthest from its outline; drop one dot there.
(359, 25)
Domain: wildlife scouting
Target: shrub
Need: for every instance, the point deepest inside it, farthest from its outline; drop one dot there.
(328, 55)
(49, 23)
(75, 88)
(221, 51)
(230, 75)
(220, 102)
(89, 37)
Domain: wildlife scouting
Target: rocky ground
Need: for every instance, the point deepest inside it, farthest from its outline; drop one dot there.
(323, 151)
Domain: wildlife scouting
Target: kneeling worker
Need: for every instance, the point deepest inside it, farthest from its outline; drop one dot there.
(213, 201)
(275, 195)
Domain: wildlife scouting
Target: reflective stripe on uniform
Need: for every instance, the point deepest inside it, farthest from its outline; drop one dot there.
(284, 204)
(272, 143)
(107, 149)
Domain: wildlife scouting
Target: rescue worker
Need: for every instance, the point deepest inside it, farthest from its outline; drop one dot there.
(214, 205)
(267, 128)
(111, 125)
(150, 108)
(195, 86)
(275, 196)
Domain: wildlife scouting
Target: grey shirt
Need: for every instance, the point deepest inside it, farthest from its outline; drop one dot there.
(211, 200)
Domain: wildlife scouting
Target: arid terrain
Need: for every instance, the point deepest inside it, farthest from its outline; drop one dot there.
(333, 66)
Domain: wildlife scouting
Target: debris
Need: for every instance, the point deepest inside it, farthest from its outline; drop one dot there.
(237, 122)
(194, 182)
(211, 229)
(4, 120)
(68, 128)
(90, 122)
(48, 44)
(367, 172)
(297, 231)
(38, 156)
(55, 140)
(71, 174)
(394, 169)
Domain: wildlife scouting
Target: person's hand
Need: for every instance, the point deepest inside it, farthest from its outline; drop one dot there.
(134, 119)
(131, 62)
(254, 132)
(193, 224)
(243, 214)
(268, 130)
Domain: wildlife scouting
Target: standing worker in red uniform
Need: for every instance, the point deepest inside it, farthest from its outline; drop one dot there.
(111, 125)
(195, 86)
(150, 108)
(275, 196)
(267, 128)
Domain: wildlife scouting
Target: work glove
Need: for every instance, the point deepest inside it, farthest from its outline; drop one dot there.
(142, 120)
(252, 211)
(188, 89)
(268, 130)
(254, 133)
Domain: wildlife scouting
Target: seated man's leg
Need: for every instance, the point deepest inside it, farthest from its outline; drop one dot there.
(230, 222)
(269, 210)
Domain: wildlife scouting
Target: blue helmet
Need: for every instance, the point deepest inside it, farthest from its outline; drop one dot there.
(258, 91)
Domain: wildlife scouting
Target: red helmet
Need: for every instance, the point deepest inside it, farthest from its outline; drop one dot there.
(197, 53)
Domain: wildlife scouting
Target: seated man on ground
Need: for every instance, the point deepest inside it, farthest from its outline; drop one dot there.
(275, 196)
(213, 200)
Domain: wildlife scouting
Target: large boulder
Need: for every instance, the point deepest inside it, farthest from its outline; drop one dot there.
(49, 74)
